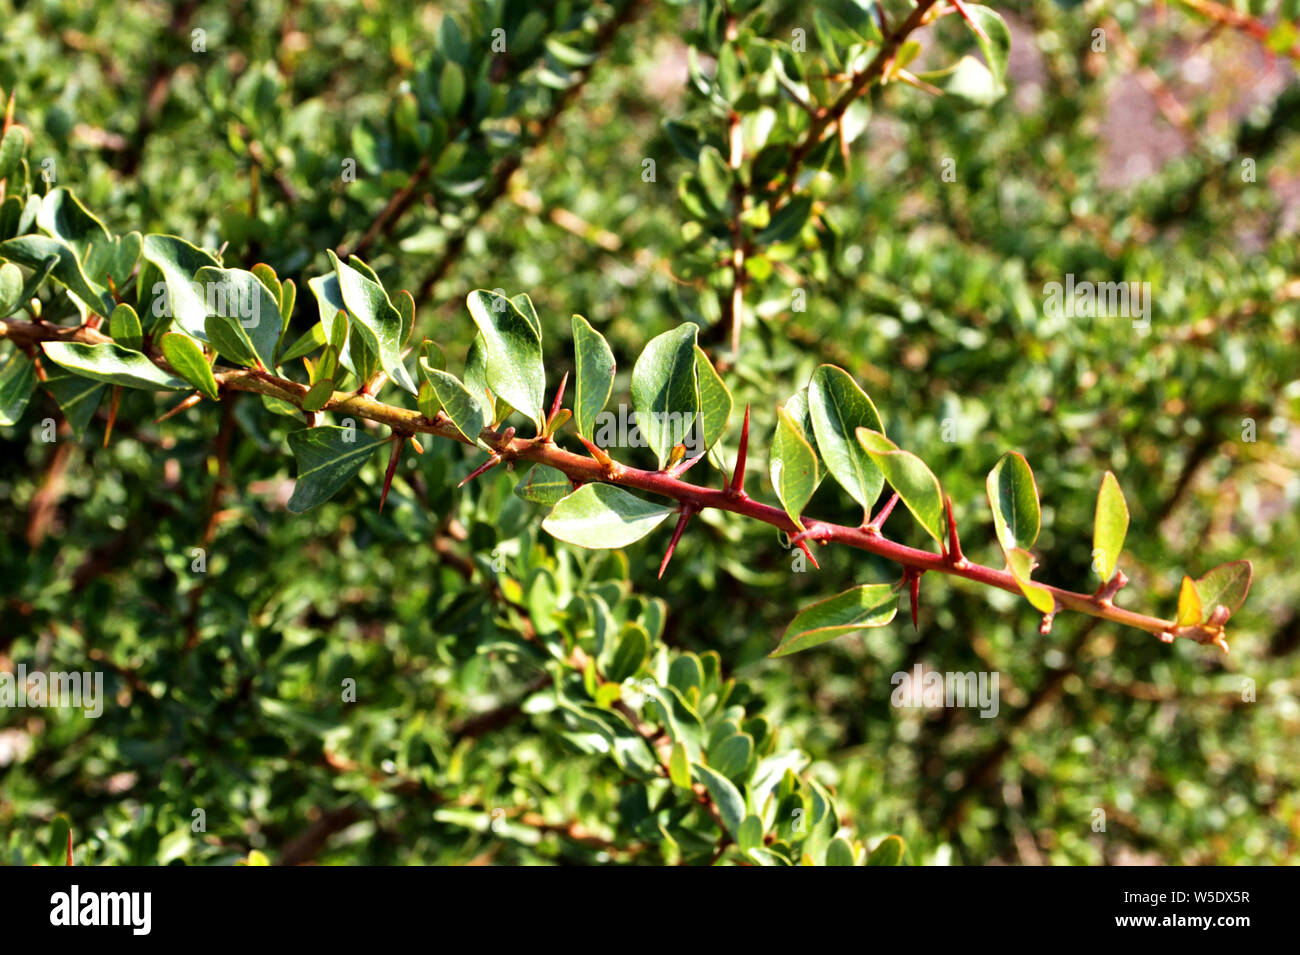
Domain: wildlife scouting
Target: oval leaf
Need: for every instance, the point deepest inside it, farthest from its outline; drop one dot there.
(871, 605)
(185, 356)
(907, 474)
(464, 410)
(1013, 495)
(793, 467)
(665, 390)
(715, 401)
(111, 363)
(377, 321)
(1226, 585)
(1110, 525)
(328, 457)
(179, 263)
(603, 516)
(241, 301)
(838, 407)
(544, 484)
(594, 377)
(1021, 564)
(513, 353)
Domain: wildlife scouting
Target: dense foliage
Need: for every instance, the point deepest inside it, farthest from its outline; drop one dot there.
(759, 214)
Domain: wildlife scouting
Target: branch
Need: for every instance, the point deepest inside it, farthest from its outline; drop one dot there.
(584, 469)
(827, 116)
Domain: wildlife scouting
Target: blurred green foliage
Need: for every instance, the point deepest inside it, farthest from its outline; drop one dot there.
(476, 734)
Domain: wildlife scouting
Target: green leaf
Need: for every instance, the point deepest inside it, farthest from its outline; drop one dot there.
(1226, 585)
(838, 407)
(726, 797)
(451, 88)
(666, 391)
(318, 395)
(12, 148)
(907, 474)
(1190, 612)
(333, 312)
(34, 251)
(715, 400)
(603, 516)
(464, 410)
(730, 756)
(889, 852)
(751, 833)
(63, 217)
(787, 223)
(11, 289)
(1110, 525)
(715, 177)
(513, 352)
(968, 81)
(633, 647)
(594, 378)
(793, 467)
(376, 320)
(17, 382)
(840, 853)
(870, 605)
(111, 363)
(179, 263)
(544, 484)
(124, 326)
(250, 312)
(229, 340)
(679, 766)
(77, 397)
(1021, 563)
(328, 457)
(1013, 495)
(184, 355)
(996, 42)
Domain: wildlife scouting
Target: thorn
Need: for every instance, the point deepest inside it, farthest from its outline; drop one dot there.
(112, 289)
(393, 458)
(416, 446)
(69, 845)
(914, 591)
(1221, 642)
(189, 402)
(603, 459)
(874, 525)
(1046, 626)
(803, 546)
(737, 486)
(555, 405)
(687, 513)
(112, 412)
(487, 465)
(954, 545)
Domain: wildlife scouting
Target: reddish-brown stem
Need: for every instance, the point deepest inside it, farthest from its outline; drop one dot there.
(591, 469)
